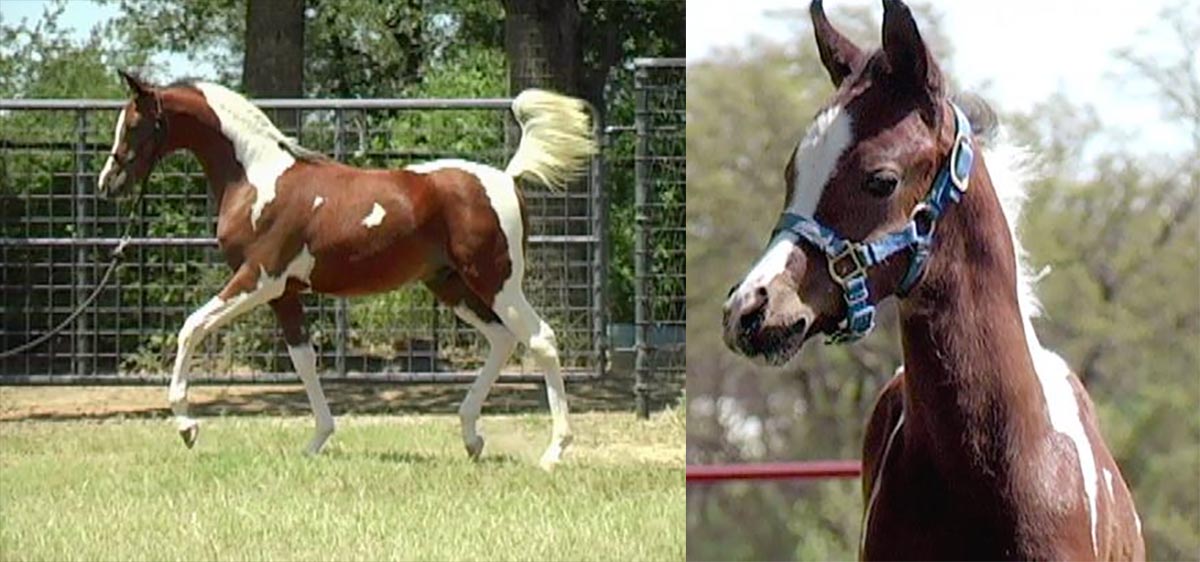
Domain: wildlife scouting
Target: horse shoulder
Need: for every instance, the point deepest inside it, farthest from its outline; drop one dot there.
(885, 416)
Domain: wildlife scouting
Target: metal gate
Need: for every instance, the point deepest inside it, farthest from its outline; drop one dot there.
(56, 235)
(659, 208)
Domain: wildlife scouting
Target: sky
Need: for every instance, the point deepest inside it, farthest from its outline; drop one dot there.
(1019, 51)
(81, 16)
(1016, 52)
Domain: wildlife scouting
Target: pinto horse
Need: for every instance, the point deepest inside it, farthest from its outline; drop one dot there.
(293, 221)
(984, 445)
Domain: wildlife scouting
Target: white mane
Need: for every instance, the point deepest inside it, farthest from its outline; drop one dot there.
(239, 115)
(1011, 168)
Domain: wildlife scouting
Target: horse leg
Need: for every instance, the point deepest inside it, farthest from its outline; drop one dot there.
(517, 314)
(502, 343)
(290, 314)
(452, 290)
(239, 296)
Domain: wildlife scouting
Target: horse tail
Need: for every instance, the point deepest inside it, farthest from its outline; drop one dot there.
(556, 138)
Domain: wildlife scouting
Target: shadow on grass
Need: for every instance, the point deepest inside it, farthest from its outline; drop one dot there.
(610, 393)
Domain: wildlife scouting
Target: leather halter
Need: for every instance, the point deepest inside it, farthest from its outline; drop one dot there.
(850, 261)
(158, 135)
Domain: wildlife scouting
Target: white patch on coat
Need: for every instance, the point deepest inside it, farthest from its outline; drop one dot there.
(117, 137)
(375, 218)
(816, 158)
(1009, 168)
(862, 543)
(317, 202)
(255, 142)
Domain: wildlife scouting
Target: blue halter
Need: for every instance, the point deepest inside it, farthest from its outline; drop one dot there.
(849, 261)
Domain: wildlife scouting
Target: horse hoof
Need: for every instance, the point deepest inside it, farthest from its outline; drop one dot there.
(554, 453)
(190, 434)
(549, 461)
(475, 448)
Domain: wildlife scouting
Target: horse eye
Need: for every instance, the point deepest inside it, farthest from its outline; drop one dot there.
(881, 184)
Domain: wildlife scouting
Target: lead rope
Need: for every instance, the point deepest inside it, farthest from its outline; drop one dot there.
(118, 255)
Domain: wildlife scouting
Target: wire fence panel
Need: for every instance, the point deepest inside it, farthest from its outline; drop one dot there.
(659, 243)
(56, 236)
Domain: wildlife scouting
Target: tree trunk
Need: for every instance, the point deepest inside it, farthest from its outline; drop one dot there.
(541, 38)
(274, 62)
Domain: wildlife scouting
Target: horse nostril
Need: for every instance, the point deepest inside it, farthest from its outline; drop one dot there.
(732, 288)
(750, 316)
(799, 326)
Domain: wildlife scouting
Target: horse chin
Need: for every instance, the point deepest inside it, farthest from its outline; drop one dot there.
(116, 190)
(781, 345)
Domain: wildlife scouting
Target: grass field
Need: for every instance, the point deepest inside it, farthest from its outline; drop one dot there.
(387, 487)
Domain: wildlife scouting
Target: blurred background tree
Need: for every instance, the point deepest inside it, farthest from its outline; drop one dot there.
(1120, 236)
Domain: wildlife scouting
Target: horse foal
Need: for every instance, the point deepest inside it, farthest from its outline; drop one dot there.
(293, 221)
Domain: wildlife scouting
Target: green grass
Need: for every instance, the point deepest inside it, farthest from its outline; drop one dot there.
(387, 487)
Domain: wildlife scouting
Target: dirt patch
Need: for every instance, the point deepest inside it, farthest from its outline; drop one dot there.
(17, 403)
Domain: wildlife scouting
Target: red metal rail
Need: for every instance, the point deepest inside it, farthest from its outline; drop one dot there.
(808, 470)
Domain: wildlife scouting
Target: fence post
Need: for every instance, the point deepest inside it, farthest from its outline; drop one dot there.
(641, 245)
(80, 348)
(340, 307)
(600, 250)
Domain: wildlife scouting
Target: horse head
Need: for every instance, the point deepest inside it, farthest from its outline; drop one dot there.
(864, 188)
(139, 141)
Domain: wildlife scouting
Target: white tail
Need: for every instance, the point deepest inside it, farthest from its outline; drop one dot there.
(556, 138)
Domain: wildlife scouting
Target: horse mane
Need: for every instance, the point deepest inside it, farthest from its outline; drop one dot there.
(1012, 168)
(252, 119)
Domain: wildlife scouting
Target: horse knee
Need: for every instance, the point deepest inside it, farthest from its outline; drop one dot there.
(502, 341)
(544, 343)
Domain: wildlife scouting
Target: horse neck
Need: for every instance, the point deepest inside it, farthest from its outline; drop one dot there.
(194, 127)
(970, 382)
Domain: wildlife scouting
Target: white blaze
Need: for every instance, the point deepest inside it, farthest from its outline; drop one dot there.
(108, 164)
(813, 165)
(317, 202)
(376, 216)
(816, 158)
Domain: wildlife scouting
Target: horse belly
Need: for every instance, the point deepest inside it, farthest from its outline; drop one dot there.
(357, 272)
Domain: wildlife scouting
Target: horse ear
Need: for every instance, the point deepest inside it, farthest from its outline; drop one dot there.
(908, 58)
(136, 85)
(838, 54)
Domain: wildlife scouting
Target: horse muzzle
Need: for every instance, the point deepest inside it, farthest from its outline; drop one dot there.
(767, 326)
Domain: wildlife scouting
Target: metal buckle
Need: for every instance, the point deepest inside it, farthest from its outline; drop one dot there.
(923, 213)
(961, 140)
(856, 260)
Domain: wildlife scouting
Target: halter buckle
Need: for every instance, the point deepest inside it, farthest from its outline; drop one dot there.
(962, 154)
(855, 261)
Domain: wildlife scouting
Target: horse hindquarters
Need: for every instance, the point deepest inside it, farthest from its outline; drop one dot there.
(485, 224)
